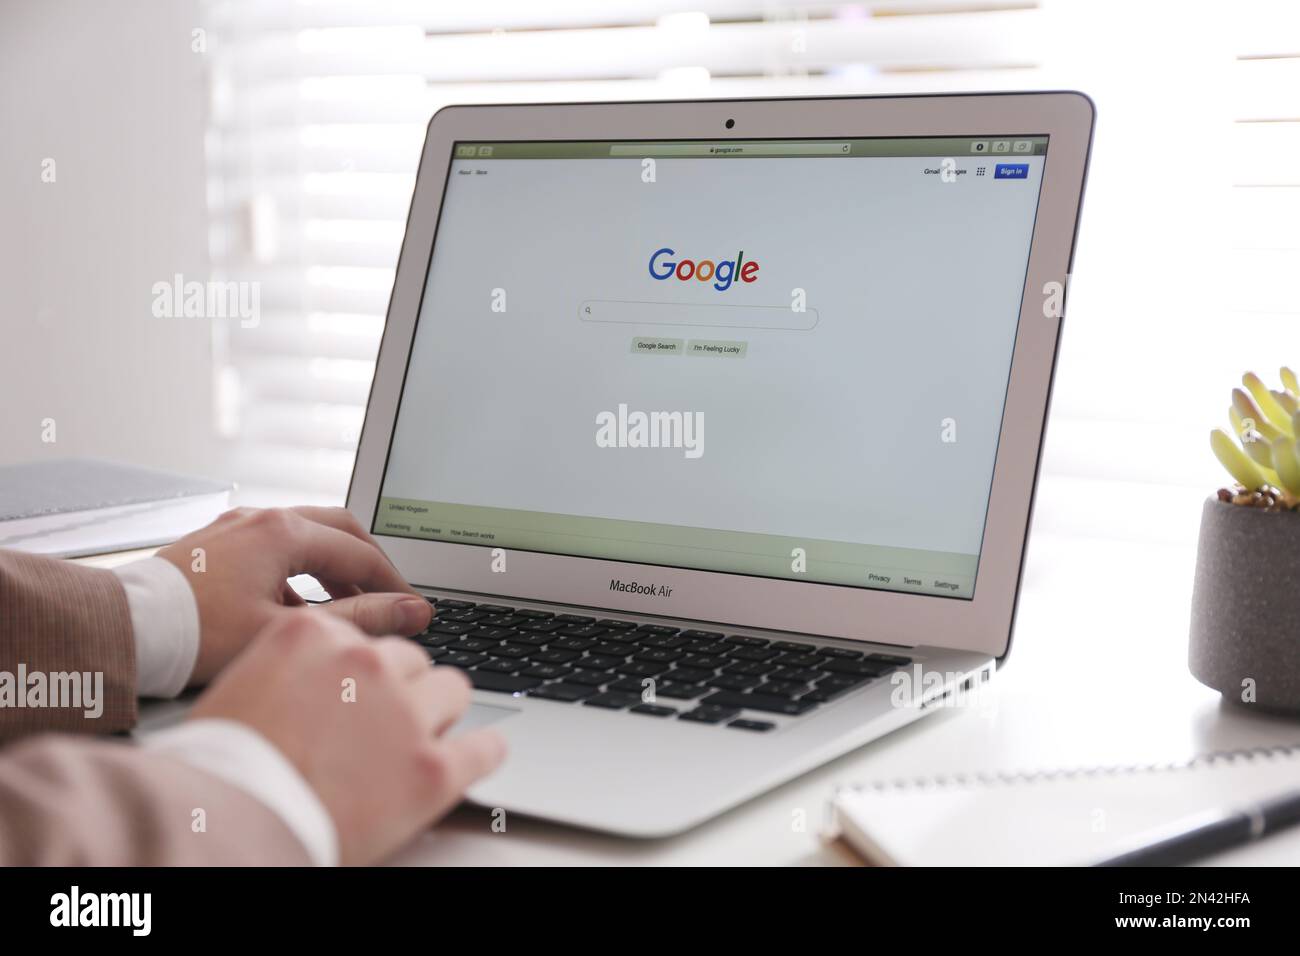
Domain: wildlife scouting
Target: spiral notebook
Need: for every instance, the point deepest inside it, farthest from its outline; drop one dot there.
(1058, 817)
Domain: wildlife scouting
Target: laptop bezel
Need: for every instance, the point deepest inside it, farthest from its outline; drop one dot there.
(982, 623)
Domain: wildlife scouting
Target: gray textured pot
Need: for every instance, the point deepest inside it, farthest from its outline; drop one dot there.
(1246, 605)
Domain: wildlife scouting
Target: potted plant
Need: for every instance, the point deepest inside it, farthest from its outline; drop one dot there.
(1245, 626)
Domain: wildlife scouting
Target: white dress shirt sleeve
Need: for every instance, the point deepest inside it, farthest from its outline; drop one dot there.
(165, 621)
(245, 759)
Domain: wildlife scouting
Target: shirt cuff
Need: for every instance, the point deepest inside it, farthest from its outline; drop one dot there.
(245, 759)
(165, 621)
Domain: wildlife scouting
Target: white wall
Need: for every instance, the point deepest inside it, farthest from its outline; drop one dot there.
(113, 93)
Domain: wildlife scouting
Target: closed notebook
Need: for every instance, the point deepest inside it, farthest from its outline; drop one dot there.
(1049, 818)
(77, 506)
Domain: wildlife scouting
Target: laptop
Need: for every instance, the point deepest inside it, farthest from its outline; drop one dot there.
(711, 428)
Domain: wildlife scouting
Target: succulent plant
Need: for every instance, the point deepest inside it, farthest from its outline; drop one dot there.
(1267, 463)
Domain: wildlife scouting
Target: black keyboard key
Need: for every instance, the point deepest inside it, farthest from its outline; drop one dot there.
(625, 638)
(510, 651)
(763, 702)
(657, 629)
(492, 633)
(709, 664)
(641, 668)
(438, 640)
(500, 665)
(540, 627)
(710, 648)
(471, 617)
(588, 678)
(757, 725)
(709, 714)
(750, 669)
(801, 660)
(555, 657)
(614, 625)
(451, 627)
(703, 635)
(529, 640)
(753, 653)
(662, 640)
(784, 688)
(890, 660)
(534, 615)
(864, 668)
(793, 646)
(804, 675)
(654, 710)
(843, 652)
(546, 671)
(678, 690)
(840, 682)
(573, 643)
(435, 652)
(472, 644)
(501, 683)
(613, 700)
(692, 675)
(657, 655)
(599, 662)
(586, 630)
(451, 604)
(633, 685)
(565, 692)
(503, 620)
(575, 619)
(496, 609)
(732, 682)
(744, 641)
(462, 658)
(611, 649)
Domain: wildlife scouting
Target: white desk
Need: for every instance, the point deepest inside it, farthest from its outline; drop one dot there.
(1097, 676)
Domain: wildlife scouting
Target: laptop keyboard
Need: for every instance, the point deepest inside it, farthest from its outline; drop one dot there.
(700, 676)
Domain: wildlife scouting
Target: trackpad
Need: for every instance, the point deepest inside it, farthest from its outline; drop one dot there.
(480, 715)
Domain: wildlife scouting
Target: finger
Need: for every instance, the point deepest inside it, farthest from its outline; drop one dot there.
(402, 658)
(384, 613)
(290, 597)
(456, 763)
(332, 555)
(337, 590)
(443, 696)
(340, 519)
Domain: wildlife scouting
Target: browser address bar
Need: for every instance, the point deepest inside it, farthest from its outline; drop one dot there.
(729, 149)
(777, 317)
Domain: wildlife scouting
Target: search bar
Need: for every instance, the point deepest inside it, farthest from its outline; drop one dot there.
(730, 149)
(708, 315)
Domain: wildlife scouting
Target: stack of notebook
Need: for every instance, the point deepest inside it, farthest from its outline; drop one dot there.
(74, 507)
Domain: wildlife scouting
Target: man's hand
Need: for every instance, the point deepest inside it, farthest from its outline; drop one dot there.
(362, 720)
(249, 554)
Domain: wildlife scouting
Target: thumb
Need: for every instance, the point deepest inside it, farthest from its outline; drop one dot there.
(384, 613)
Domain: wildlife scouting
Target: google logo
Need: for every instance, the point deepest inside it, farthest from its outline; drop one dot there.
(722, 273)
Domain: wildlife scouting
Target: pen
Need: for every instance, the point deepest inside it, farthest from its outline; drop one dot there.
(1205, 833)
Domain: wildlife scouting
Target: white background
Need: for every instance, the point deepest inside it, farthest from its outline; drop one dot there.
(833, 433)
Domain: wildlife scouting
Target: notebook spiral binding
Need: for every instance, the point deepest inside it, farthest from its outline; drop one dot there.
(1004, 778)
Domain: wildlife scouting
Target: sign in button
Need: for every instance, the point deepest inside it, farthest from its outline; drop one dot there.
(1011, 171)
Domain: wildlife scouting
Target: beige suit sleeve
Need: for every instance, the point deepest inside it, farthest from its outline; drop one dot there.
(57, 617)
(71, 802)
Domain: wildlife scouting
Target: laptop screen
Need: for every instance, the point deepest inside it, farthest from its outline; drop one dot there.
(786, 359)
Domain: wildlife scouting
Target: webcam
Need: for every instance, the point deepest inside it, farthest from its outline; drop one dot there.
(730, 123)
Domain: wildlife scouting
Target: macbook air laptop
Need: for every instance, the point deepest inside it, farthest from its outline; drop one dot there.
(711, 428)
